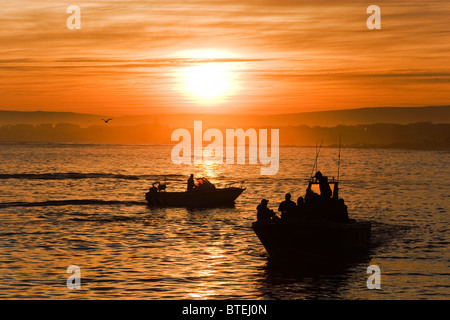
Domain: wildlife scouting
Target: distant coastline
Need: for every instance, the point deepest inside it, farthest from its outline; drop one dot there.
(418, 147)
(398, 115)
(417, 136)
(430, 131)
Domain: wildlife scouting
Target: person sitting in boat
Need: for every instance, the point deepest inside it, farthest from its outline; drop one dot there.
(190, 183)
(325, 190)
(313, 207)
(265, 214)
(287, 207)
(310, 195)
(341, 211)
(154, 188)
(300, 208)
(151, 190)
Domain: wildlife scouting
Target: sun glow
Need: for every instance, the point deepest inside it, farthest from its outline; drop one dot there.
(209, 82)
(207, 79)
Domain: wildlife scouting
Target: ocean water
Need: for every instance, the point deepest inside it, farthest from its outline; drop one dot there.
(64, 204)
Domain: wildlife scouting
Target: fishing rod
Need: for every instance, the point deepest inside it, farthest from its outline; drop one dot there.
(317, 156)
(336, 185)
(339, 157)
(317, 160)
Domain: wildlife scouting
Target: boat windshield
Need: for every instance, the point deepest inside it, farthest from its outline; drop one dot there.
(203, 183)
(316, 188)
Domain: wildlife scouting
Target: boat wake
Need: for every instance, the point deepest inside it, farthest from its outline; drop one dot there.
(80, 175)
(56, 203)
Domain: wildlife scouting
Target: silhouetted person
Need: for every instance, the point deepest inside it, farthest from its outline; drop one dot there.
(301, 208)
(154, 188)
(287, 207)
(325, 190)
(264, 213)
(161, 187)
(190, 183)
(314, 207)
(309, 195)
(342, 212)
(148, 195)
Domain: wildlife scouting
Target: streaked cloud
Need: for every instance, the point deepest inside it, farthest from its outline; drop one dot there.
(291, 56)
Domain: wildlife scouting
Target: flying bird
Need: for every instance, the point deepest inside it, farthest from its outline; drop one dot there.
(107, 120)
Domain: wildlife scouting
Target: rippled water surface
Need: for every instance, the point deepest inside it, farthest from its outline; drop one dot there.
(83, 205)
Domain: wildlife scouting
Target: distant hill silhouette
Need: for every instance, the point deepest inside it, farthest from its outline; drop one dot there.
(38, 117)
(397, 115)
(421, 135)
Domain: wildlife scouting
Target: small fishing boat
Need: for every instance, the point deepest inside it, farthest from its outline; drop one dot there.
(319, 231)
(204, 195)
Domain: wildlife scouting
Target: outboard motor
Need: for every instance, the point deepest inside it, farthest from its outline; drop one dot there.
(161, 187)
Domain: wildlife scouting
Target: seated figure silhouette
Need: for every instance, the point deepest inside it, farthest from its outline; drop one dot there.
(153, 188)
(287, 207)
(310, 195)
(313, 206)
(301, 208)
(264, 213)
(341, 212)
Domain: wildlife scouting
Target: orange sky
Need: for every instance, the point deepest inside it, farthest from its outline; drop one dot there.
(279, 56)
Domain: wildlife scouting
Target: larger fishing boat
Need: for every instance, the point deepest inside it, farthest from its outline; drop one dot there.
(315, 235)
(319, 230)
(204, 195)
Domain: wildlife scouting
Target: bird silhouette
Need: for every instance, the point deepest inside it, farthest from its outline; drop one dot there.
(107, 120)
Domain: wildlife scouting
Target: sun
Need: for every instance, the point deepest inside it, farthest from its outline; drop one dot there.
(207, 80)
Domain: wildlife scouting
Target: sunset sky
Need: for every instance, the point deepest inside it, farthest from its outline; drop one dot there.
(262, 57)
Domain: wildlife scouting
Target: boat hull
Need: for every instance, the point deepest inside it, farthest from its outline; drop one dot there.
(314, 241)
(195, 199)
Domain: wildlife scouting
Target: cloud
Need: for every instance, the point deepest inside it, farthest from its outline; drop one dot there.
(280, 45)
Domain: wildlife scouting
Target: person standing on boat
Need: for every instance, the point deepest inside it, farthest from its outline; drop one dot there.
(287, 207)
(190, 183)
(264, 213)
(325, 190)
